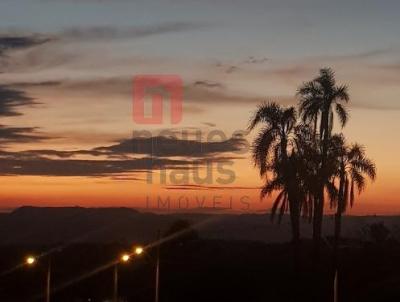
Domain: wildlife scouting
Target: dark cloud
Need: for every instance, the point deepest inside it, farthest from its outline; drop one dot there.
(197, 95)
(11, 99)
(109, 32)
(202, 187)
(72, 167)
(20, 135)
(20, 42)
(167, 153)
(208, 84)
(163, 146)
(23, 163)
(56, 54)
(36, 84)
(27, 40)
(158, 146)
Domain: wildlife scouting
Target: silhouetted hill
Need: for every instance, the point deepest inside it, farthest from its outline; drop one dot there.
(35, 225)
(32, 225)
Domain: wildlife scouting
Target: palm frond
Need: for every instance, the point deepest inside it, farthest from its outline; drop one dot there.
(341, 93)
(345, 196)
(277, 202)
(283, 208)
(359, 180)
(352, 193)
(332, 192)
(342, 113)
(267, 113)
(261, 148)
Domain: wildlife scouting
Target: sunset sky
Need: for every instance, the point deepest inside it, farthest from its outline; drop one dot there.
(66, 71)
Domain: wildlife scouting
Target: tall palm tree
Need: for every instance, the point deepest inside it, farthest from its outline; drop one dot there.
(319, 98)
(308, 165)
(273, 153)
(353, 169)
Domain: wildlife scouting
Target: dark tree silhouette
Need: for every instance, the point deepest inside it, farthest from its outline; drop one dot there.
(305, 163)
(353, 168)
(273, 153)
(319, 98)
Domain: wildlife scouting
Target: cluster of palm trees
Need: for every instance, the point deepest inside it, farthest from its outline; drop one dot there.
(305, 163)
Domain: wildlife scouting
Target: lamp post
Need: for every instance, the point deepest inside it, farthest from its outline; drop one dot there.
(30, 261)
(157, 289)
(48, 281)
(124, 259)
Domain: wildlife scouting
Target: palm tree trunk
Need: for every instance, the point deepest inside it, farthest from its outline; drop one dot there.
(315, 126)
(295, 226)
(338, 219)
(317, 225)
(320, 200)
(338, 229)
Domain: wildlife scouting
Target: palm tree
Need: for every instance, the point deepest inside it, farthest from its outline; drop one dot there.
(273, 152)
(319, 98)
(353, 168)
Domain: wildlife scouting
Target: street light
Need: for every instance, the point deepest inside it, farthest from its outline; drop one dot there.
(139, 250)
(30, 261)
(123, 259)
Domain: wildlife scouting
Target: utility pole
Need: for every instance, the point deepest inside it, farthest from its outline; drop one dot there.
(157, 296)
(115, 296)
(335, 288)
(48, 281)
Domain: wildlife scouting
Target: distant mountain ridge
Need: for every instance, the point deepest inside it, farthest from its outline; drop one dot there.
(52, 225)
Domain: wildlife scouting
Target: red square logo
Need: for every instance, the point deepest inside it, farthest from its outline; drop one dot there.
(160, 89)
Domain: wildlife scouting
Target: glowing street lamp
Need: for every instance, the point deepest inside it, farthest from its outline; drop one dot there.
(139, 250)
(30, 260)
(125, 258)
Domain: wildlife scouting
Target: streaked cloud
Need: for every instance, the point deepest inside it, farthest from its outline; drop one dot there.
(158, 152)
(37, 165)
(11, 99)
(133, 32)
(202, 187)
(10, 42)
(19, 135)
(158, 146)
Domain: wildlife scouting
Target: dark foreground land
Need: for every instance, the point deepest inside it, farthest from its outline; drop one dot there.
(194, 269)
(229, 258)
